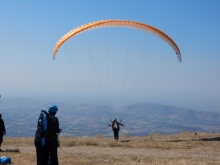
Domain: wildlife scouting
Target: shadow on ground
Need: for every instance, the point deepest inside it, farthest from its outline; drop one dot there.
(125, 141)
(202, 139)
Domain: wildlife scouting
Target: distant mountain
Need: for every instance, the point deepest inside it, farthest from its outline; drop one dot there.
(169, 112)
(20, 116)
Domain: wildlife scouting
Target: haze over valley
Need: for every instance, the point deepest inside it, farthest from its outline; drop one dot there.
(20, 116)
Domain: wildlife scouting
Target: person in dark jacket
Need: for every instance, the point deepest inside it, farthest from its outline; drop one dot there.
(2, 131)
(116, 128)
(47, 154)
(55, 131)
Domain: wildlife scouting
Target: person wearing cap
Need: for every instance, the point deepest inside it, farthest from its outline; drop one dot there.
(46, 137)
(55, 131)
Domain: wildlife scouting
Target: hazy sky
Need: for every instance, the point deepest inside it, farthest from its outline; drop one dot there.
(29, 33)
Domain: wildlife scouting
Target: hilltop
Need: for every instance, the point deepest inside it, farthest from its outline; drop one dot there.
(178, 149)
(153, 134)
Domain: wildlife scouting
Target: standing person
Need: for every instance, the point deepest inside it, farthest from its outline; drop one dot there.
(46, 137)
(55, 131)
(116, 128)
(2, 131)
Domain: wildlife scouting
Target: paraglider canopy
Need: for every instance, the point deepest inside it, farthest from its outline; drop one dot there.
(118, 23)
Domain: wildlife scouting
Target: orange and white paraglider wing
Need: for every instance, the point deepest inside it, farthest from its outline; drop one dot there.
(118, 23)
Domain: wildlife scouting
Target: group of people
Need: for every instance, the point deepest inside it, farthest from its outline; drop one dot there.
(46, 143)
(46, 136)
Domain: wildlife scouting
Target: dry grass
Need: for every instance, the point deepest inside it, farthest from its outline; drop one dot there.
(19, 141)
(179, 149)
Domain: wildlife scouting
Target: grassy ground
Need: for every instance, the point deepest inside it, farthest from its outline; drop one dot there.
(179, 149)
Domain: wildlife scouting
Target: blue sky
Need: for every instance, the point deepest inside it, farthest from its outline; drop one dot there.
(29, 34)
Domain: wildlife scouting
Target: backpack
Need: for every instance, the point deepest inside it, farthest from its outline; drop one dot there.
(115, 128)
(5, 160)
(43, 127)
